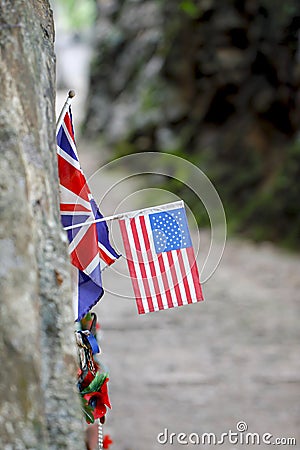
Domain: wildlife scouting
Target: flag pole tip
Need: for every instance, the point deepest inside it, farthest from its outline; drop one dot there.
(71, 94)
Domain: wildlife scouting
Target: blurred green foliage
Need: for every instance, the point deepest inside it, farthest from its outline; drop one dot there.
(190, 8)
(75, 14)
(277, 206)
(225, 98)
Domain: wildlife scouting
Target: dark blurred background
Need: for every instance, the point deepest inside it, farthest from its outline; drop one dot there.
(216, 82)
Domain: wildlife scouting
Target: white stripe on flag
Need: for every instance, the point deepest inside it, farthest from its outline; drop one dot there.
(145, 260)
(106, 251)
(156, 264)
(188, 272)
(75, 213)
(136, 264)
(92, 266)
(71, 142)
(131, 265)
(179, 277)
(79, 236)
(142, 264)
(68, 158)
(68, 197)
(169, 277)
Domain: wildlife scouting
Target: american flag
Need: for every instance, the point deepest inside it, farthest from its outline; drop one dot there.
(160, 258)
(89, 243)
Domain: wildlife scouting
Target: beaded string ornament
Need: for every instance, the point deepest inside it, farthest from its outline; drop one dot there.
(92, 378)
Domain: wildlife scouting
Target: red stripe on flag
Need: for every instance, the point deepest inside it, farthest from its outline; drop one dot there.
(72, 178)
(86, 249)
(174, 278)
(141, 264)
(107, 259)
(151, 263)
(165, 280)
(73, 207)
(68, 124)
(195, 273)
(184, 276)
(131, 267)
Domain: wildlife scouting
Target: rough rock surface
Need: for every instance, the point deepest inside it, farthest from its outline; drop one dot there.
(39, 407)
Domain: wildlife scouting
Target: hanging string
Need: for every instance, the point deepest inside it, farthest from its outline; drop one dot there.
(131, 214)
(100, 435)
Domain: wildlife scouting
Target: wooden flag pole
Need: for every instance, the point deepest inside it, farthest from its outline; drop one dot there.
(65, 108)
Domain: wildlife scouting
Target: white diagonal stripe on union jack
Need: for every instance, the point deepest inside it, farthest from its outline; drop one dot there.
(68, 158)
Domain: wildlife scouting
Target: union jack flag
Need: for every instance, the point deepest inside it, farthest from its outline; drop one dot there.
(88, 243)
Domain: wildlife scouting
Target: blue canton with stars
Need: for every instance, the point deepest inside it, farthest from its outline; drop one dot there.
(170, 230)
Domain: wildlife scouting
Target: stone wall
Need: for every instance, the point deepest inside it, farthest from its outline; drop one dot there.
(39, 408)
